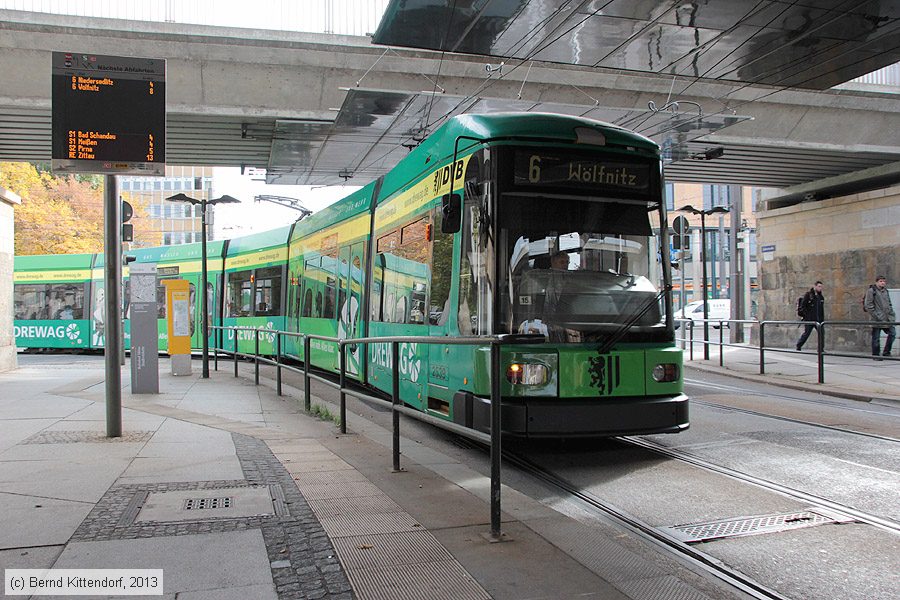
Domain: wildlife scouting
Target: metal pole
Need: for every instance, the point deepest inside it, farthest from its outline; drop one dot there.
(762, 345)
(278, 363)
(256, 357)
(204, 294)
(691, 325)
(705, 301)
(495, 440)
(235, 352)
(218, 334)
(721, 343)
(307, 400)
(112, 229)
(395, 397)
(343, 381)
(736, 272)
(820, 334)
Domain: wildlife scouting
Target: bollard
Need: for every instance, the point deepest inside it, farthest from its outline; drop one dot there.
(235, 352)
(217, 337)
(762, 345)
(343, 382)
(256, 358)
(395, 398)
(278, 363)
(307, 400)
(495, 441)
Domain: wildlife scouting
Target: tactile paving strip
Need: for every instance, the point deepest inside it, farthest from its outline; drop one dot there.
(380, 551)
(349, 489)
(432, 581)
(367, 524)
(364, 505)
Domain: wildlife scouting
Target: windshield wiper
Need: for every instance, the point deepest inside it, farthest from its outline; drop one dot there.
(619, 333)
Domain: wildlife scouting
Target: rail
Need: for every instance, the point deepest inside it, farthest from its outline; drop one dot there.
(495, 342)
(687, 342)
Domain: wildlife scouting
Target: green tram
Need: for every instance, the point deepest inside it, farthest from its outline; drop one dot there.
(495, 224)
(52, 301)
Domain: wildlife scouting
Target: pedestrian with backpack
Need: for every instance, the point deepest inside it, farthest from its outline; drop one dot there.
(811, 307)
(878, 305)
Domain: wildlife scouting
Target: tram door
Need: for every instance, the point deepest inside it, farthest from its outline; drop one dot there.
(350, 270)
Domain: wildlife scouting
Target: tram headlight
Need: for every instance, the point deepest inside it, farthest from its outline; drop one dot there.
(527, 374)
(665, 372)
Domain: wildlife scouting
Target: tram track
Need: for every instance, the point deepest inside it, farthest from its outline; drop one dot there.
(817, 501)
(647, 533)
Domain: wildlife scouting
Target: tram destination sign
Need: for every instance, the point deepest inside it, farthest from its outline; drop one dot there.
(109, 114)
(589, 174)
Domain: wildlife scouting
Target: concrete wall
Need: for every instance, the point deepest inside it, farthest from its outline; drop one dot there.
(7, 250)
(844, 242)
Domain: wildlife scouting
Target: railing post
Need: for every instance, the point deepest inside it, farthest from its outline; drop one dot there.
(495, 440)
(721, 343)
(343, 381)
(307, 401)
(278, 363)
(256, 357)
(218, 338)
(235, 351)
(762, 347)
(820, 334)
(691, 343)
(395, 398)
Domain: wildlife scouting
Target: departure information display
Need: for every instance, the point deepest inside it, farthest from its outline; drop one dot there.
(109, 114)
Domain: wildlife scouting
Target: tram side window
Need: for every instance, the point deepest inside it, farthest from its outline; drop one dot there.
(404, 258)
(239, 294)
(475, 274)
(48, 301)
(267, 295)
(441, 273)
(311, 275)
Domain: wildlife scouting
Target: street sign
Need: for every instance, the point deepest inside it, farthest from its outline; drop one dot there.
(681, 225)
(109, 114)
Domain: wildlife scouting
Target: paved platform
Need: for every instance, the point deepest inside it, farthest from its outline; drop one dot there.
(235, 492)
(858, 378)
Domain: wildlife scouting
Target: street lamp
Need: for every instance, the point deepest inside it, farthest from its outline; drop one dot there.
(703, 213)
(203, 292)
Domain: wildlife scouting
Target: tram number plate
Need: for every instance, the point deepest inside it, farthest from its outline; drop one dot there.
(524, 300)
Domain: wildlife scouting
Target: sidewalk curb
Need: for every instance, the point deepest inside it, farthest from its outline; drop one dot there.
(794, 385)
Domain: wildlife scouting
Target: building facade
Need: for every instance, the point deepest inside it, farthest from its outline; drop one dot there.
(168, 223)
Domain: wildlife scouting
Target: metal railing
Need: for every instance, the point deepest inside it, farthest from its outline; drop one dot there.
(821, 352)
(396, 406)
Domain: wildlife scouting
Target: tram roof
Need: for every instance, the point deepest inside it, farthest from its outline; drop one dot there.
(51, 262)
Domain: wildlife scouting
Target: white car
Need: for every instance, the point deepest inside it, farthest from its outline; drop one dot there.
(719, 310)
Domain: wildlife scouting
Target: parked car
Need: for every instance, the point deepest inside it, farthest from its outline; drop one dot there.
(719, 310)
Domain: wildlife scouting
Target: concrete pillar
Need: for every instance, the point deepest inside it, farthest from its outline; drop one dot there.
(8, 200)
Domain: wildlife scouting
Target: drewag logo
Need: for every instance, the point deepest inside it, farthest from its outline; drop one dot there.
(70, 332)
(409, 365)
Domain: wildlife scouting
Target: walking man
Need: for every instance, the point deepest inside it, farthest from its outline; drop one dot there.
(878, 305)
(813, 311)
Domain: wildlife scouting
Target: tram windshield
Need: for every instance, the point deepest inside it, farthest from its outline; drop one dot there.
(576, 269)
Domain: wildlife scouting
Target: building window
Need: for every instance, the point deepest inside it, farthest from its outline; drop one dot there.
(715, 195)
(670, 196)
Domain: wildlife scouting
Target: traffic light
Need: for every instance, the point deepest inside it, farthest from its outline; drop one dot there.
(127, 228)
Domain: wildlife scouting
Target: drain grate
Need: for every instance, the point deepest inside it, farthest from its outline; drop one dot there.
(208, 503)
(703, 532)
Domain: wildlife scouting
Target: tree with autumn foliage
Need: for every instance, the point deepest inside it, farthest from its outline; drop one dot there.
(58, 214)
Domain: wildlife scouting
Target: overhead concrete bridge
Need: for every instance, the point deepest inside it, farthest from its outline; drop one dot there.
(249, 98)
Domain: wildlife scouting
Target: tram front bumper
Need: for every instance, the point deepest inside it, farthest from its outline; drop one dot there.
(574, 417)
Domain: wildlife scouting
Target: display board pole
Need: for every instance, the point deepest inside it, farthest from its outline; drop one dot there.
(112, 322)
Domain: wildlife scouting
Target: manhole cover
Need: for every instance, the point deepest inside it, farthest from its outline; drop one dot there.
(713, 530)
(219, 503)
